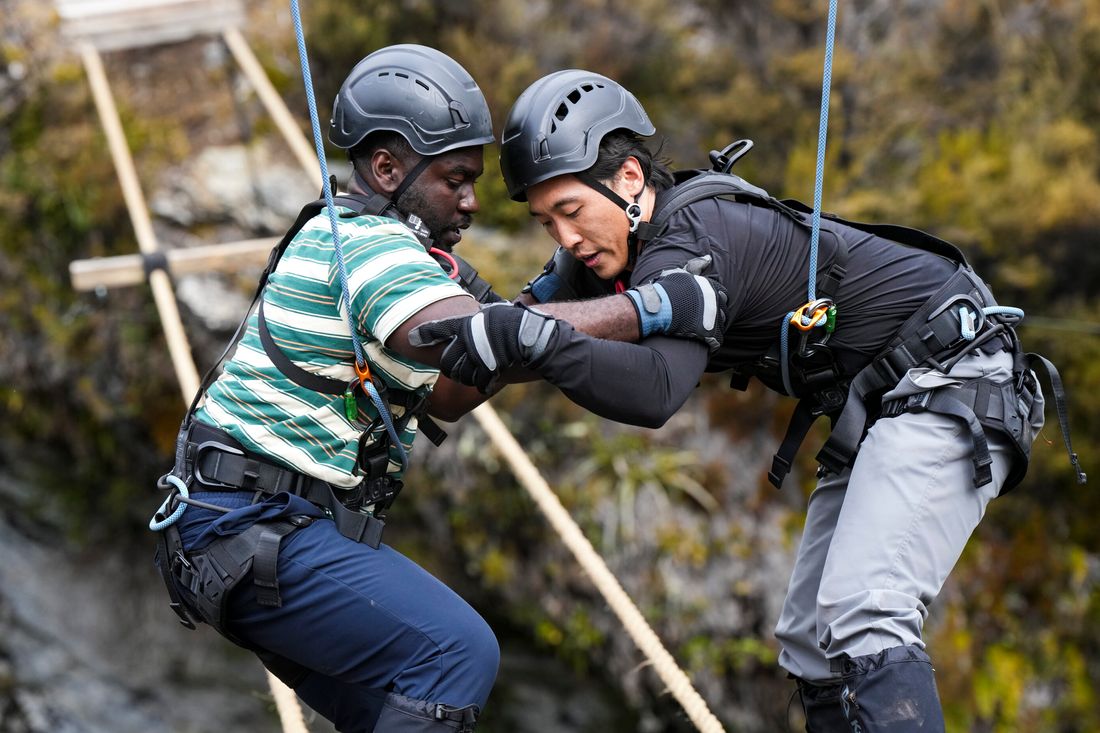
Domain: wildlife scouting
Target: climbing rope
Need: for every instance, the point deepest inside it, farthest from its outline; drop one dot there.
(361, 368)
(822, 133)
(799, 319)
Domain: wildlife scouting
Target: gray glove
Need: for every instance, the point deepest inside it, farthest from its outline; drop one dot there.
(683, 303)
(482, 345)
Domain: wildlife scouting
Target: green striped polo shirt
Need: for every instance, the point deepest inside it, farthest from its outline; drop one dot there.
(390, 278)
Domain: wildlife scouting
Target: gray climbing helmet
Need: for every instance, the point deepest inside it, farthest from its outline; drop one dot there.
(416, 91)
(556, 126)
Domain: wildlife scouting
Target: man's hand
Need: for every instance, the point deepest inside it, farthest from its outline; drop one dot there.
(682, 303)
(482, 345)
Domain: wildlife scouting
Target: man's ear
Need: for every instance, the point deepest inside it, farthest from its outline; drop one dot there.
(631, 178)
(386, 170)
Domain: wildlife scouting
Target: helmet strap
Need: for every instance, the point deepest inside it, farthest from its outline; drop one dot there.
(411, 178)
(633, 211)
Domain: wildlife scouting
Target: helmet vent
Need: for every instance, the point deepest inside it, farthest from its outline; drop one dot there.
(574, 96)
(421, 83)
(562, 111)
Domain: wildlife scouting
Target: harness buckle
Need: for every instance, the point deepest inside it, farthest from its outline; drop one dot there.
(196, 461)
(918, 402)
(634, 215)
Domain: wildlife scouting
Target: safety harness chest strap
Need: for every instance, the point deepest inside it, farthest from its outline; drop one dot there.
(412, 403)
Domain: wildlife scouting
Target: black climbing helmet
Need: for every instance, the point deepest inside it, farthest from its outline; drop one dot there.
(556, 126)
(416, 91)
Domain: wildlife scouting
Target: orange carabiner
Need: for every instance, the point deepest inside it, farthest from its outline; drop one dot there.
(363, 372)
(820, 310)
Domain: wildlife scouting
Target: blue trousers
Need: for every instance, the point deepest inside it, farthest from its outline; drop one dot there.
(363, 622)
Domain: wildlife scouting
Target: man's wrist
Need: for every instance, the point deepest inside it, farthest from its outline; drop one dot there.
(651, 303)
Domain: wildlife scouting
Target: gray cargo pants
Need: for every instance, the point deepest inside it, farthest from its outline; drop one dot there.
(881, 537)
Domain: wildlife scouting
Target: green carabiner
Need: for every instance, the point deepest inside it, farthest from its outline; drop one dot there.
(351, 405)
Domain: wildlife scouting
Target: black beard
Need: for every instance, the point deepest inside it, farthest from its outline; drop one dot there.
(415, 202)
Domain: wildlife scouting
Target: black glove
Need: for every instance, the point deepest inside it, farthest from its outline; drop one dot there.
(565, 278)
(681, 302)
(482, 345)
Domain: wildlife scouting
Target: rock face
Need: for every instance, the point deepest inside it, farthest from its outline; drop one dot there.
(89, 646)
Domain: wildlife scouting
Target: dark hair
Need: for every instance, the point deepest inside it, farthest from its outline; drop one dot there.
(395, 142)
(619, 145)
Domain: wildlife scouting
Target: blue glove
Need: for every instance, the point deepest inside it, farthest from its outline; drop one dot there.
(683, 303)
(565, 278)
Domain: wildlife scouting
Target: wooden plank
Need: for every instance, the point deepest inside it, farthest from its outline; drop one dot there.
(125, 270)
(163, 294)
(118, 24)
(276, 107)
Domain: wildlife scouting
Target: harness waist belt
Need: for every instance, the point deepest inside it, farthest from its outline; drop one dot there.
(219, 462)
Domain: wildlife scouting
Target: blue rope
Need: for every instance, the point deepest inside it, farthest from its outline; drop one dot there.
(822, 132)
(815, 220)
(162, 524)
(307, 79)
(1003, 310)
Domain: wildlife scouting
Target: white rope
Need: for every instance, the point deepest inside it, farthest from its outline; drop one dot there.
(633, 621)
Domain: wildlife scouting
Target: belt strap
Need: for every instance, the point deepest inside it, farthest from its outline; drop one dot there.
(219, 462)
(797, 428)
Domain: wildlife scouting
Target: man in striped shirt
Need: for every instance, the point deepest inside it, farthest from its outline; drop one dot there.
(365, 636)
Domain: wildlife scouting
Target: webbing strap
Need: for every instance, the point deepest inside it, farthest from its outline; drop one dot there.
(1059, 394)
(169, 553)
(947, 402)
(797, 428)
(256, 547)
(411, 177)
(288, 368)
(843, 442)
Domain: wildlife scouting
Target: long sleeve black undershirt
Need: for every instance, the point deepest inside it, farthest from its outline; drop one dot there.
(641, 384)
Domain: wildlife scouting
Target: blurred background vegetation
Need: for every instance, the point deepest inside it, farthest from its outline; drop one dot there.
(979, 121)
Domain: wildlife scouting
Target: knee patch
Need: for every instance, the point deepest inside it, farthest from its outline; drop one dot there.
(893, 691)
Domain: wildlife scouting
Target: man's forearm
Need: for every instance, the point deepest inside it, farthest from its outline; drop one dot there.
(613, 318)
